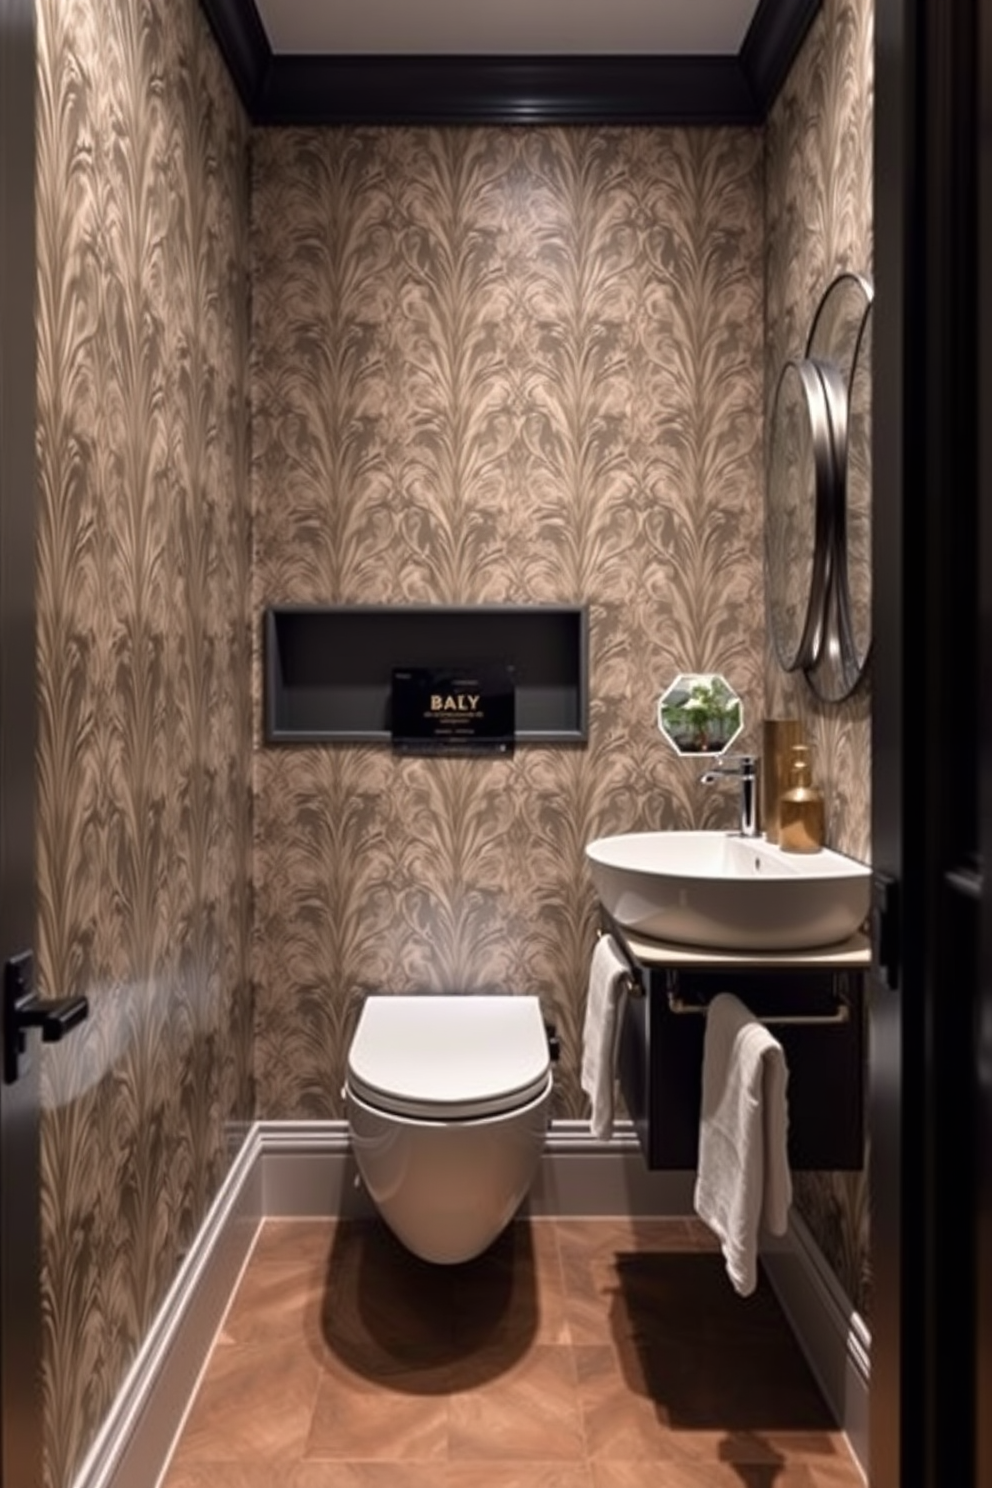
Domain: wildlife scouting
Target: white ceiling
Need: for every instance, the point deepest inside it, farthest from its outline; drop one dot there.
(507, 27)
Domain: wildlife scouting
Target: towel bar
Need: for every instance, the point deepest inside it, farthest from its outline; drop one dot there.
(842, 1013)
(631, 982)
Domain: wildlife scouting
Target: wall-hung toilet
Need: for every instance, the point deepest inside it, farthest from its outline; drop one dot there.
(448, 1103)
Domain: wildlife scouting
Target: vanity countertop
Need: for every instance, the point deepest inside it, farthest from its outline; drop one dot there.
(854, 953)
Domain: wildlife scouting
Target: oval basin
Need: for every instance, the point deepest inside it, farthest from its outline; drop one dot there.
(724, 892)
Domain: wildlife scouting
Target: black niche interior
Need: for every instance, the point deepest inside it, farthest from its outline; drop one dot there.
(329, 669)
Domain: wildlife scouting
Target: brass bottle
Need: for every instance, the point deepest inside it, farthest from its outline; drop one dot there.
(779, 735)
(800, 812)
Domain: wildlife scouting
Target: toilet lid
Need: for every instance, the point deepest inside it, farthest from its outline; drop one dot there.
(449, 1057)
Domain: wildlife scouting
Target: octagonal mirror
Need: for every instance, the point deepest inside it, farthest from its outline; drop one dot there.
(700, 713)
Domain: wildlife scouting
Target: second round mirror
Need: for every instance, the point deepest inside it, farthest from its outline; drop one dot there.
(799, 503)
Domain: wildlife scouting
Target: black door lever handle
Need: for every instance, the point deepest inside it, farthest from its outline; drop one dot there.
(55, 1019)
(23, 1010)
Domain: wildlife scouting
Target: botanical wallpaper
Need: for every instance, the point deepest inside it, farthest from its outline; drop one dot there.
(520, 365)
(144, 758)
(818, 209)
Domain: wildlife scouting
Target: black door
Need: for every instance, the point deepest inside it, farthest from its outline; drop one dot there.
(20, 1405)
(981, 1074)
(931, 1382)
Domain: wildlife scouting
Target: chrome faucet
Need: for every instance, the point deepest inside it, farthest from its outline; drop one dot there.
(742, 767)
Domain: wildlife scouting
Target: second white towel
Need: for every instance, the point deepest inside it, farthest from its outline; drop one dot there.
(605, 1000)
(743, 1183)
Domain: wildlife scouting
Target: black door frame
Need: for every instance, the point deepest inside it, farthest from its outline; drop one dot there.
(928, 740)
(20, 1289)
(982, 1057)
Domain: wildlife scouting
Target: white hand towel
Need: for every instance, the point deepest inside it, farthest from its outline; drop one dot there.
(601, 1033)
(743, 1181)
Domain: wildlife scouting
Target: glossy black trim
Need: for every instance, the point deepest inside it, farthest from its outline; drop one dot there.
(243, 45)
(771, 45)
(21, 1353)
(928, 1396)
(506, 90)
(981, 1074)
(305, 90)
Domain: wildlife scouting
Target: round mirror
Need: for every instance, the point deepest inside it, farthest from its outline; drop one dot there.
(833, 335)
(858, 491)
(799, 502)
(840, 341)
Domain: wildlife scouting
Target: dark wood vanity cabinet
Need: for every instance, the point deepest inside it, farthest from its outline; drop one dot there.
(813, 1005)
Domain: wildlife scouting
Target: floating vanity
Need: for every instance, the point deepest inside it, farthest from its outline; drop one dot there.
(813, 1002)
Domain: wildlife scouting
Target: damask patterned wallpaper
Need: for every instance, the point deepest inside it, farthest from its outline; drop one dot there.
(494, 365)
(818, 224)
(486, 365)
(144, 761)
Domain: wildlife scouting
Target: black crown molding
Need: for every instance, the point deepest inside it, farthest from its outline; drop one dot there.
(278, 88)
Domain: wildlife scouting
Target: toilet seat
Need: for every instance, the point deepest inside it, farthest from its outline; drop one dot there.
(449, 1057)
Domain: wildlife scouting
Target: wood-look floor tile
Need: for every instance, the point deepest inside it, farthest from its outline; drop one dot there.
(528, 1413)
(328, 1474)
(385, 1311)
(515, 1475)
(294, 1240)
(218, 1475)
(824, 1450)
(302, 1475)
(701, 1475)
(322, 1474)
(619, 1418)
(514, 1292)
(598, 1237)
(709, 1383)
(841, 1471)
(254, 1401)
(604, 1260)
(573, 1354)
(276, 1300)
(773, 1452)
(593, 1303)
(355, 1421)
(365, 1475)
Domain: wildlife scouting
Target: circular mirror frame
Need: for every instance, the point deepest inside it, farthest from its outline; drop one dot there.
(858, 502)
(837, 342)
(799, 645)
(830, 645)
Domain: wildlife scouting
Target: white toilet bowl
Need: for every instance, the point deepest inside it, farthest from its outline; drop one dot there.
(448, 1102)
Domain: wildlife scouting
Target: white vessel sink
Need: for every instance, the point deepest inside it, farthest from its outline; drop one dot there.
(723, 892)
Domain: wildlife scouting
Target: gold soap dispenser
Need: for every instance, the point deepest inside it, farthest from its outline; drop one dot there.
(800, 812)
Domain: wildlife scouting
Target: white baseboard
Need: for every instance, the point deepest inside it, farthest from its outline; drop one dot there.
(134, 1441)
(306, 1169)
(832, 1335)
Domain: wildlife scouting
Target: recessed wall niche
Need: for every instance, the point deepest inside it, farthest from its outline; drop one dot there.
(328, 669)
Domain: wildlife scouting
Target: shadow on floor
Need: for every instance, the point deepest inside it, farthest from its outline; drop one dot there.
(707, 1358)
(389, 1315)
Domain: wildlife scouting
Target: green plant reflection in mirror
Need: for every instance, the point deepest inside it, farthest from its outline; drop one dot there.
(700, 713)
